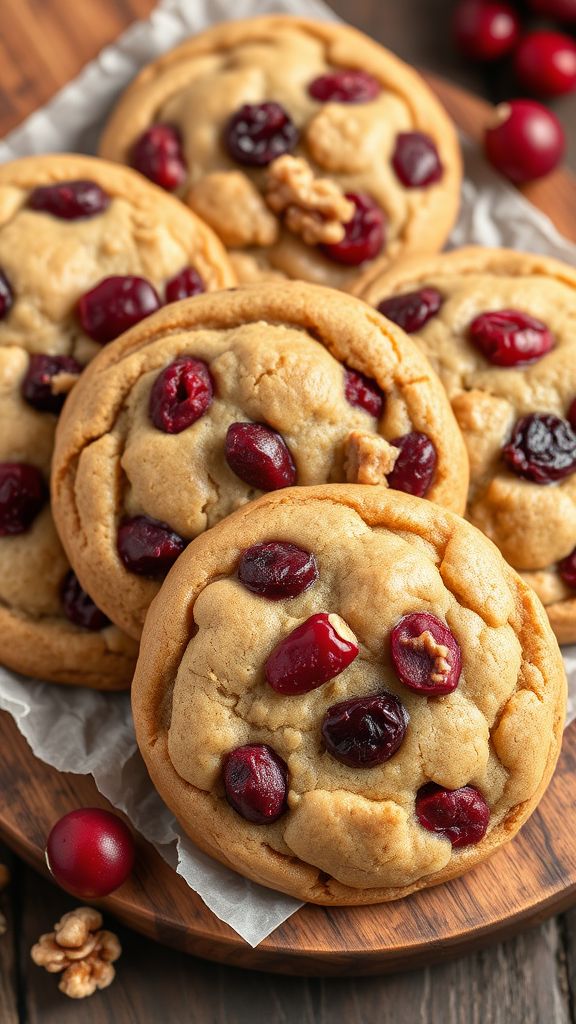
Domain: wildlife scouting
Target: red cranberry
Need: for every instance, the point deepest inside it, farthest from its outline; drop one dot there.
(256, 783)
(572, 415)
(416, 160)
(542, 448)
(70, 200)
(564, 10)
(259, 132)
(363, 392)
(460, 815)
(349, 86)
(365, 731)
(6, 296)
(147, 547)
(184, 284)
(425, 654)
(316, 651)
(22, 495)
(485, 30)
(567, 569)
(365, 233)
(545, 63)
(509, 338)
(90, 852)
(415, 466)
(159, 156)
(277, 569)
(413, 310)
(524, 140)
(181, 394)
(115, 305)
(259, 456)
(37, 386)
(79, 606)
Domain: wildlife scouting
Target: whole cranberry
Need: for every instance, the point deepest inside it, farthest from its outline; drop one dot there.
(348, 86)
(316, 651)
(364, 235)
(277, 569)
(147, 547)
(23, 494)
(563, 10)
(460, 815)
(365, 731)
(259, 456)
(70, 200)
(572, 415)
(416, 161)
(90, 852)
(545, 63)
(485, 29)
(259, 132)
(542, 448)
(415, 467)
(567, 569)
(524, 140)
(79, 606)
(413, 310)
(159, 156)
(115, 305)
(39, 387)
(184, 285)
(425, 654)
(509, 338)
(6, 296)
(363, 392)
(256, 783)
(180, 395)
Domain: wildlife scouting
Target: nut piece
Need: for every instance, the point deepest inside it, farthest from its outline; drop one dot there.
(233, 207)
(81, 950)
(439, 653)
(368, 458)
(62, 383)
(315, 208)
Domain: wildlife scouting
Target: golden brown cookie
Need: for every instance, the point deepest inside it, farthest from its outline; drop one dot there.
(312, 151)
(208, 403)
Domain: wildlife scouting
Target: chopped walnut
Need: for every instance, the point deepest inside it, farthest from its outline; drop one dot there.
(82, 950)
(234, 208)
(62, 383)
(368, 458)
(439, 653)
(315, 208)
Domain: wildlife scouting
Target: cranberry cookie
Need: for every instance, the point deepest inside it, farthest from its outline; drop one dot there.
(208, 403)
(500, 329)
(86, 249)
(312, 151)
(346, 694)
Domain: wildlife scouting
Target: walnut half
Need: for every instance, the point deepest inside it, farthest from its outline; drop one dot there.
(315, 208)
(82, 950)
(368, 458)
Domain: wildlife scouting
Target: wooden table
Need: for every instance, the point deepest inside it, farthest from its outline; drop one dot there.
(528, 980)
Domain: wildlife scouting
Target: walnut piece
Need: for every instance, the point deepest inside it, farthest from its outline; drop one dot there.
(315, 208)
(368, 458)
(230, 203)
(82, 950)
(439, 653)
(62, 383)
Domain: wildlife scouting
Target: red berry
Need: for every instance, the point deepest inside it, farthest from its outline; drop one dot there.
(425, 654)
(147, 547)
(347, 86)
(564, 10)
(256, 783)
(416, 161)
(183, 285)
(70, 200)
(37, 386)
(158, 155)
(545, 63)
(572, 415)
(23, 493)
(115, 305)
(180, 395)
(90, 852)
(79, 606)
(485, 30)
(363, 392)
(277, 570)
(365, 731)
(259, 132)
(509, 338)
(542, 448)
(415, 466)
(6, 296)
(316, 651)
(413, 310)
(524, 140)
(259, 456)
(365, 233)
(567, 569)
(460, 815)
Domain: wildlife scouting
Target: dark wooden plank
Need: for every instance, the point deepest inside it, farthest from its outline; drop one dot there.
(8, 942)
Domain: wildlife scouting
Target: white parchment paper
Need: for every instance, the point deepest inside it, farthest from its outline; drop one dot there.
(86, 732)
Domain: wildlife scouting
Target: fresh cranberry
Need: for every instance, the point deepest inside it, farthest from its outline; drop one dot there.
(567, 569)
(79, 606)
(70, 200)
(509, 338)
(542, 448)
(256, 783)
(115, 305)
(365, 731)
(147, 547)
(425, 654)
(564, 10)
(415, 466)
(22, 495)
(277, 569)
(183, 285)
(572, 415)
(413, 310)
(37, 386)
(545, 63)
(159, 156)
(259, 132)
(524, 140)
(316, 651)
(365, 233)
(485, 30)
(416, 160)
(6, 296)
(180, 395)
(363, 392)
(90, 852)
(349, 86)
(460, 815)
(259, 456)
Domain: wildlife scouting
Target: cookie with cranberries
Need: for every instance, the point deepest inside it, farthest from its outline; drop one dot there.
(346, 694)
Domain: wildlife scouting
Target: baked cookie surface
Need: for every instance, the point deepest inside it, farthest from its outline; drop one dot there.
(265, 126)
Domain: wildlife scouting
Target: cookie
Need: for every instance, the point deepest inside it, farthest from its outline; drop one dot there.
(72, 229)
(346, 694)
(313, 152)
(207, 404)
(500, 329)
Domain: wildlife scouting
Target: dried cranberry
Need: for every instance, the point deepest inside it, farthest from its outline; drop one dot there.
(572, 415)
(363, 392)
(460, 815)
(413, 310)
(277, 569)
(70, 200)
(79, 606)
(348, 86)
(6, 296)
(180, 395)
(259, 132)
(365, 731)
(365, 233)
(509, 338)
(90, 852)
(316, 651)
(524, 140)
(542, 448)
(256, 783)
(567, 569)
(545, 63)
(485, 29)
(115, 305)
(415, 466)
(425, 654)
(159, 156)
(259, 456)
(147, 547)
(38, 384)
(183, 285)
(22, 495)
(416, 160)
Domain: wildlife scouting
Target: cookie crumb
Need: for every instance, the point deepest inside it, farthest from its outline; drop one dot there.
(368, 458)
(82, 950)
(314, 208)
(439, 653)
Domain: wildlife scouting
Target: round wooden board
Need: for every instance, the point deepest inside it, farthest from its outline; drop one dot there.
(531, 878)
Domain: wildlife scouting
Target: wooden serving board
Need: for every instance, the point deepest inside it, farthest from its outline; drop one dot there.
(530, 879)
